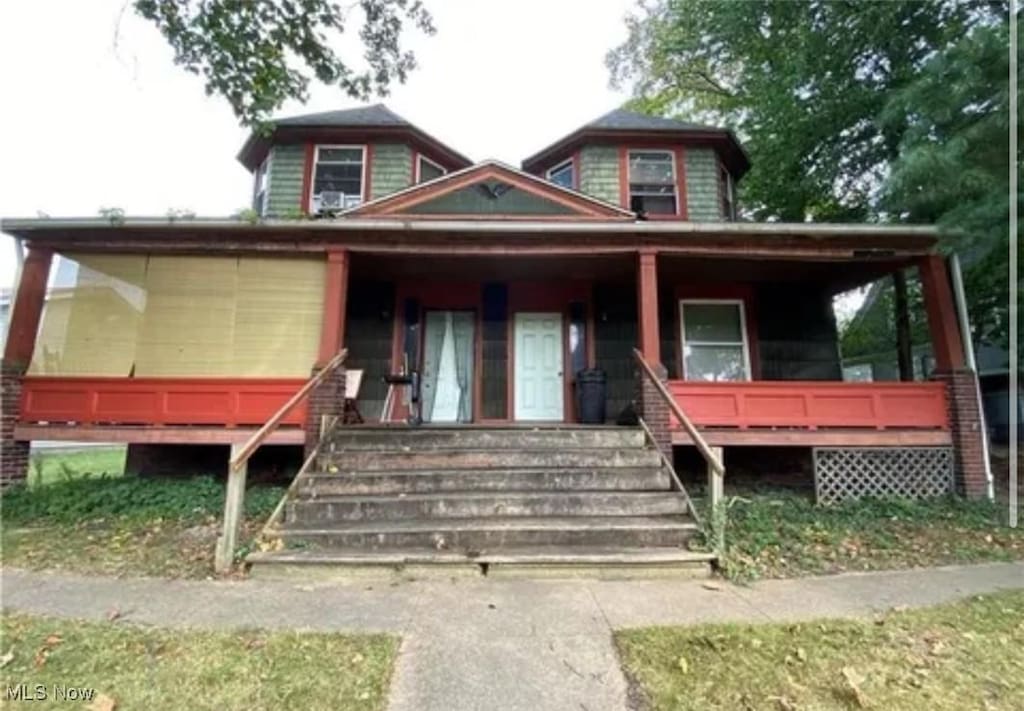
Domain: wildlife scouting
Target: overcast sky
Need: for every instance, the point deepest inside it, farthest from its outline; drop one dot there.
(95, 114)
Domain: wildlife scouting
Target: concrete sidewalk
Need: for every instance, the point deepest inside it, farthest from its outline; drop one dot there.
(496, 644)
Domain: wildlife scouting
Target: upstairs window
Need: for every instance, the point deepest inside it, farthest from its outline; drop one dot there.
(714, 340)
(562, 174)
(337, 178)
(728, 195)
(652, 183)
(259, 196)
(427, 169)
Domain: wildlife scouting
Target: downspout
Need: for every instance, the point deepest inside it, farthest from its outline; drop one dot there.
(965, 338)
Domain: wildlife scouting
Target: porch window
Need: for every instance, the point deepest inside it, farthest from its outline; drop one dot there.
(714, 340)
(562, 174)
(652, 182)
(337, 178)
(259, 200)
(427, 169)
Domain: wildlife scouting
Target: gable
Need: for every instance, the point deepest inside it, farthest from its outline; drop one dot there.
(490, 190)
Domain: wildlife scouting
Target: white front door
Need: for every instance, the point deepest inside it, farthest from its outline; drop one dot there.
(538, 366)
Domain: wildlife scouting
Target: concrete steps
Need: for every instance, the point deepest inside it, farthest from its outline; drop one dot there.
(530, 499)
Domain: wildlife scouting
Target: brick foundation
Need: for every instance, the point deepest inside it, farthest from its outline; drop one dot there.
(967, 432)
(328, 398)
(13, 454)
(652, 407)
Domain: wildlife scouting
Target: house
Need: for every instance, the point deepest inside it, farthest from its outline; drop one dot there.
(495, 286)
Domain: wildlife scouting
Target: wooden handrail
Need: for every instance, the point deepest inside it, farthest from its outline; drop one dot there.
(247, 449)
(702, 446)
(668, 466)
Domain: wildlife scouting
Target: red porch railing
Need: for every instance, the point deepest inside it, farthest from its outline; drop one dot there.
(158, 401)
(813, 404)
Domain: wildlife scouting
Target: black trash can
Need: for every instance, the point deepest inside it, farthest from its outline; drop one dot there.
(591, 393)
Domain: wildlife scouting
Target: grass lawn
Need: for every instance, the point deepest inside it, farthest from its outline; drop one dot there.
(50, 466)
(785, 535)
(968, 655)
(123, 525)
(132, 667)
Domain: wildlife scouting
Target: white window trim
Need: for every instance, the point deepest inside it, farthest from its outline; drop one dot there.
(420, 158)
(264, 167)
(629, 174)
(570, 164)
(729, 187)
(743, 333)
(363, 187)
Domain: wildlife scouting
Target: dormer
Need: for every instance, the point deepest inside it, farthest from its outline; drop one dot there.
(328, 162)
(659, 168)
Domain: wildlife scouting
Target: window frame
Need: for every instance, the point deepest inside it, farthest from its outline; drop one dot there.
(675, 181)
(420, 158)
(568, 163)
(741, 304)
(728, 187)
(259, 197)
(316, 162)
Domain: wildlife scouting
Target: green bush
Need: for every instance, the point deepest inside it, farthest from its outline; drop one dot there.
(128, 497)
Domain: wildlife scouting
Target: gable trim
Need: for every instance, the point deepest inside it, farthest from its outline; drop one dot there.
(397, 203)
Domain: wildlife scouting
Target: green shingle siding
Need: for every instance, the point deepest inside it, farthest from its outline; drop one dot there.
(702, 202)
(599, 172)
(390, 169)
(284, 191)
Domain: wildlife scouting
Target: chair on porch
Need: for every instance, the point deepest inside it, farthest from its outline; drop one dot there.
(350, 412)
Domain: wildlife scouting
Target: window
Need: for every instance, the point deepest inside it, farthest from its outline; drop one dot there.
(259, 199)
(427, 169)
(652, 182)
(562, 174)
(337, 177)
(714, 340)
(728, 195)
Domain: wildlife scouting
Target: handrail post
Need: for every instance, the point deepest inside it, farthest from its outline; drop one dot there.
(234, 501)
(716, 503)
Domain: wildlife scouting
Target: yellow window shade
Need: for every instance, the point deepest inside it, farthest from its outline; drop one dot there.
(188, 326)
(278, 316)
(91, 327)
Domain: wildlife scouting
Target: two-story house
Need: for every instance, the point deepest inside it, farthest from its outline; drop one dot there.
(490, 288)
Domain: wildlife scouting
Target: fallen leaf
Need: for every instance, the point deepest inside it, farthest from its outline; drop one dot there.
(711, 586)
(684, 666)
(6, 659)
(801, 654)
(853, 682)
(102, 702)
(53, 640)
(784, 703)
(113, 614)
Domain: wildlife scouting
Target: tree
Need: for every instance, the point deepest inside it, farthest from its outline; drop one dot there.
(802, 82)
(258, 53)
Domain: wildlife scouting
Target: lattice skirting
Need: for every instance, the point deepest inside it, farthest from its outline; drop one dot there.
(844, 473)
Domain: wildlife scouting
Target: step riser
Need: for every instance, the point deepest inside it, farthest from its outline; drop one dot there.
(586, 480)
(416, 460)
(313, 513)
(423, 440)
(484, 540)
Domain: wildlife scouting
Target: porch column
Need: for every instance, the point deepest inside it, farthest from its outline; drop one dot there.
(21, 342)
(651, 406)
(329, 397)
(961, 382)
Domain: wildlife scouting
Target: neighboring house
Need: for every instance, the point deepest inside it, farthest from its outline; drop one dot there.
(496, 286)
(993, 370)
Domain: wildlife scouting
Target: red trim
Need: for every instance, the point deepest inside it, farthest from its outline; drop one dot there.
(158, 401)
(681, 208)
(742, 292)
(28, 306)
(576, 170)
(942, 320)
(397, 203)
(414, 169)
(307, 178)
(813, 404)
(332, 329)
(624, 177)
(367, 172)
(155, 435)
(828, 437)
(647, 302)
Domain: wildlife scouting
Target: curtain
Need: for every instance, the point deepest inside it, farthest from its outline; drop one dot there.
(433, 338)
(462, 330)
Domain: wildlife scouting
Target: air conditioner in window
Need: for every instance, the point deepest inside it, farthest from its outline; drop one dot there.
(334, 201)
